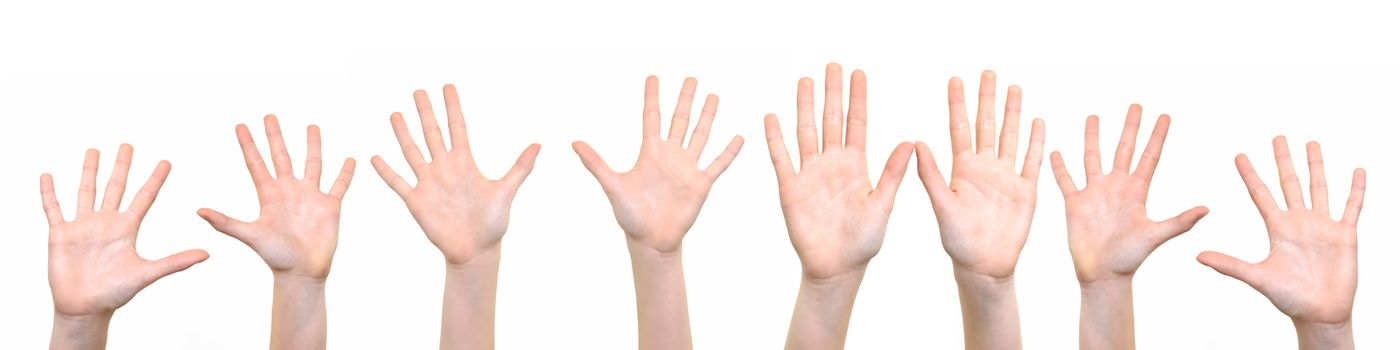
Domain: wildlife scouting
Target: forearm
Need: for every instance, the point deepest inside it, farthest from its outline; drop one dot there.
(1106, 314)
(1324, 335)
(990, 317)
(823, 311)
(663, 319)
(298, 312)
(469, 302)
(79, 332)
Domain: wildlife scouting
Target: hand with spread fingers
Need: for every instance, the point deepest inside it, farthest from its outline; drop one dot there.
(1310, 273)
(295, 233)
(656, 202)
(835, 219)
(93, 265)
(1109, 232)
(985, 212)
(462, 212)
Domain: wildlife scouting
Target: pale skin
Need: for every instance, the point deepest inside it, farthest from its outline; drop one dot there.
(295, 233)
(93, 265)
(984, 213)
(656, 202)
(1109, 232)
(1310, 273)
(462, 212)
(835, 219)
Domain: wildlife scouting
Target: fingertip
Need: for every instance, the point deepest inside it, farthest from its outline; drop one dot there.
(955, 82)
(989, 74)
(833, 66)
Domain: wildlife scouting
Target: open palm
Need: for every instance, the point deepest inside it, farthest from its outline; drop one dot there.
(658, 200)
(1109, 232)
(297, 224)
(985, 212)
(1310, 273)
(462, 212)
(835, 219)
(93, 265)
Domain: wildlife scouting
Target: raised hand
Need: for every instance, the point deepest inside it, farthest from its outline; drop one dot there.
(984, 214)
(656, 202)
(295, 233)
(463, 213)
(1310, 273)
(835, 219)
(1109, 232)
(93, 265)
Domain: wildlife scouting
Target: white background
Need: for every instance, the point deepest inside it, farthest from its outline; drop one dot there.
(174, 78)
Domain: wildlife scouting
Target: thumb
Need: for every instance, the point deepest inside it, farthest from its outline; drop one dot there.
(174, 263)
(594, 163)
(523, 166)
(223, 223)
(1231, 266)
(1177, 225)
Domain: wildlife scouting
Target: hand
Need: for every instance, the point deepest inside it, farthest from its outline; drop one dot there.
(93, 265)
(835, 219)
(1109, 232)
(296, 229)
(1310, 273)
(463, 213)
(984, 214)
(658, 200)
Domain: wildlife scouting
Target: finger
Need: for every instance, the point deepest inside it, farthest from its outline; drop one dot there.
(957, 117)
(432, 135)
(721, 163)
(1147, 165)
(986, 113)
(175, 263)
(1011, 125)
(390, 177)
(856, 117)
(1093, 163)
(1358, 194)
(1127, 142)
(312, 172)
(254, 160)
(281, 162)
(894, 173)
(1231, 266)
(342, 182)
(594, 163)
(832, 123)
(1179, 224)
(1292, 192)
(807, 146)
(651, 111)
(456, 124)
(239, 230)
(680, 119)
(701, 134)
(1030, 169)
(930, 175)
(1062, 177)
(522, 168)
(1317, 178)
(406, 144)
(87, 189)
(1257, 190)
(116, 186)
(51, 208)
(146, 196)
(777, 150)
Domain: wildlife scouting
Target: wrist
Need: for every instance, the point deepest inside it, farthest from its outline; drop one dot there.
(1324, 335)
(486, 258)
(980, 282)
(80, 331)
(644, 251)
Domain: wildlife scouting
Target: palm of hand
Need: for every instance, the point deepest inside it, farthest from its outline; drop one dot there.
(833, 221)
(93, 265)
(297, 227)
(1108, 227)
(1310, 273)
(988, 219)
(659, 199)
(461, 211)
